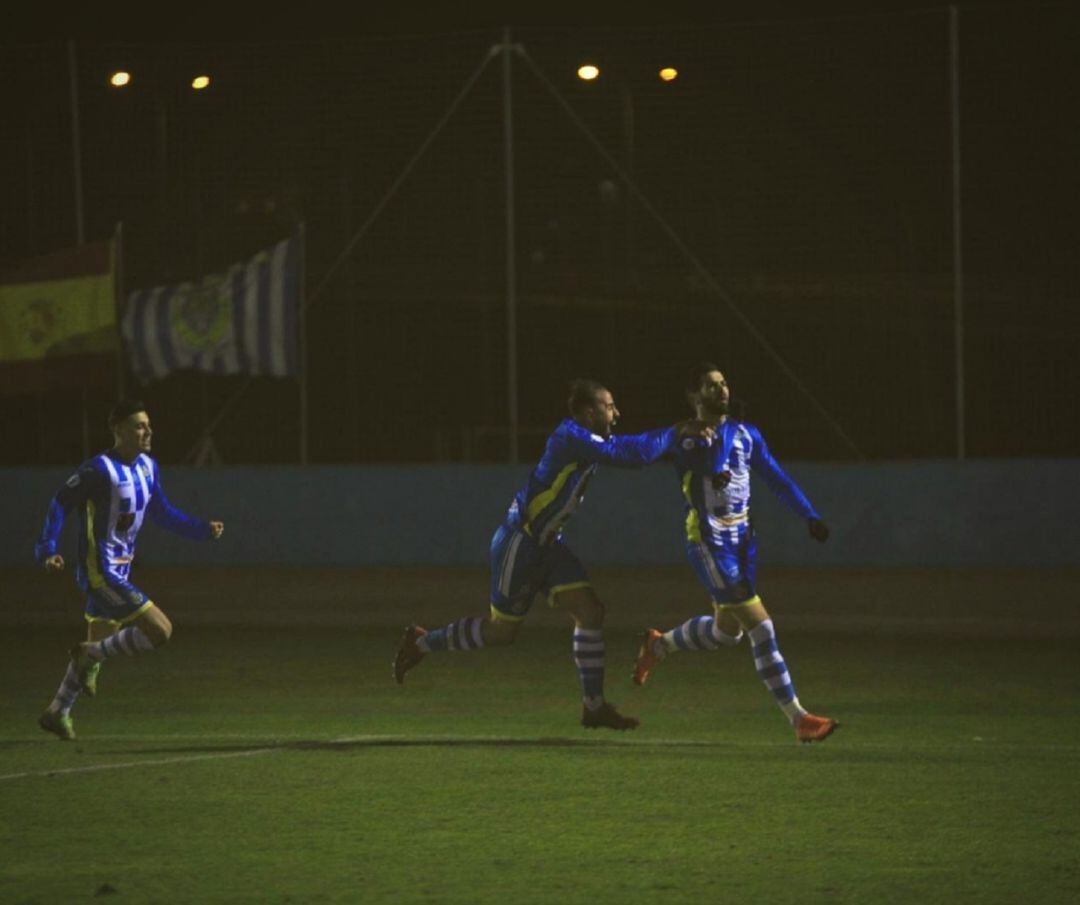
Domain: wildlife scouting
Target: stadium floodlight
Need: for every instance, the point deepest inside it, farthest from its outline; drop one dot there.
(668, 74)
(588, 72)
(119, 79)
(200, 82)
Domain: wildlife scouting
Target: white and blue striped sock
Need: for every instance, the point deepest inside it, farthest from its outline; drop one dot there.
(699, 633)
(128, 641)
(588, 647)
(464, 634)
(773, 671)
(68, 692)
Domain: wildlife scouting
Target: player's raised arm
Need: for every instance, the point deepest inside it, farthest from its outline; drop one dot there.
(588, 432)
(762, 461)
(625, 451)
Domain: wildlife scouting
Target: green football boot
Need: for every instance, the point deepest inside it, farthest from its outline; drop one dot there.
(89, 681)
(86, 668)
(59, 724)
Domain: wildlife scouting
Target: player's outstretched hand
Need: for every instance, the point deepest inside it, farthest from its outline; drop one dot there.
(698, 429)
(216, 530)
(819, 531)
(54, 563)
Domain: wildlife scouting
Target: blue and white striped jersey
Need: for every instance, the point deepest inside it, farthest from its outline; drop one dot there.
(113, 497)
(557, 484)
(716, 482)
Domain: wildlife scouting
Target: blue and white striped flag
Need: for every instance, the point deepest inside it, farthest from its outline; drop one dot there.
(244, 321)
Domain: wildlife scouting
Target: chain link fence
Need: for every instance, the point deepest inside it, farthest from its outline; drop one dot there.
(805, 165)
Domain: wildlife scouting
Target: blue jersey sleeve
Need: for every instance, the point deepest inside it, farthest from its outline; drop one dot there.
(87, 482)
(627, 451)
(167, 516)
(762, 461)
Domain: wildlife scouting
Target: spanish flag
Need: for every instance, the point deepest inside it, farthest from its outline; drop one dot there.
(58, 319)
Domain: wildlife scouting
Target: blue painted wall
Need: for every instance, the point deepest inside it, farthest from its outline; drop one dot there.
(983, 513)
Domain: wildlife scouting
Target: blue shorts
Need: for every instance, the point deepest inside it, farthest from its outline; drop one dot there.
(115, 601)
(521, 568)
(727, 568)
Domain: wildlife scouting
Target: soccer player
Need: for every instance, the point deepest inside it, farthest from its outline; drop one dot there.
(715, 476)
(113, 493)
(528, 555)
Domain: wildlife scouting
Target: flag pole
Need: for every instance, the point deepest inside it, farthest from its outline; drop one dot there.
(76, 142)
(80, 237)
(302, 326)
(118, 300)
(957, 237)
(511, 253)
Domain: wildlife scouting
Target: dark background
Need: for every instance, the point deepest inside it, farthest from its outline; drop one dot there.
(804, 161)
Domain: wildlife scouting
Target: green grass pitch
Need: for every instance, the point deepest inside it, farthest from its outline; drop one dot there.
(278, 763)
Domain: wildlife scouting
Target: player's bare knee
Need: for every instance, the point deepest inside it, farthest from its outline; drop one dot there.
(589, 612)
(158, 629)
(730, 629)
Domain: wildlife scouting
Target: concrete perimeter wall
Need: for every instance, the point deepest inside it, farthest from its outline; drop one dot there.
(1001, 513)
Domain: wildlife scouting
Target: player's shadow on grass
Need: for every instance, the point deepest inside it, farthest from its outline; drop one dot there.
(354, 744)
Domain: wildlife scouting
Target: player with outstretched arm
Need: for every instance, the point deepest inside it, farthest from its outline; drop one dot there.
(528, 555)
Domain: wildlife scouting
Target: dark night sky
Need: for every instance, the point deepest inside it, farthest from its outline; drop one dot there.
(804, 160)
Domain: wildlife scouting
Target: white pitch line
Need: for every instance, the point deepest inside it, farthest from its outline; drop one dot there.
(348, 740)
(139, 763)
(307, 744)
(850, 741)
(405, 740)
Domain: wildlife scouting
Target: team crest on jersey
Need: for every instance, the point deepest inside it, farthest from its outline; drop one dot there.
(202, 317)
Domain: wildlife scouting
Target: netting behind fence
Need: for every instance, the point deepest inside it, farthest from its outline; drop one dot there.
(806, 165)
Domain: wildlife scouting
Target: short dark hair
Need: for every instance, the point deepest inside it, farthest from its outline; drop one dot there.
(123, 410)
(693, 379)
(583, 393)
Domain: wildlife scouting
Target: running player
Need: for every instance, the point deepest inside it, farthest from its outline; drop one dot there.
(112, 492)
(528, 555)
(715, 476)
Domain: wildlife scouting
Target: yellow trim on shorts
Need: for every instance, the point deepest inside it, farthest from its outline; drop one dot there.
(499, 616)
(559, 588)
(123, 621)
(730, 606)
